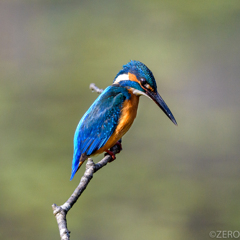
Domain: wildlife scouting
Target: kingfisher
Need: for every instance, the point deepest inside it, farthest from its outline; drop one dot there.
(113, 112)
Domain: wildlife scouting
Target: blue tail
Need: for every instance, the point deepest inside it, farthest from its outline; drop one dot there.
(75, 164)
(73, 172)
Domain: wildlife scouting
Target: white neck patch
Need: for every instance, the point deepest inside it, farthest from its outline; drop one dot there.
(122, 77)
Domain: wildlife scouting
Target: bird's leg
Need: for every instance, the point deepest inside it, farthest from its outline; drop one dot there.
(111, 153)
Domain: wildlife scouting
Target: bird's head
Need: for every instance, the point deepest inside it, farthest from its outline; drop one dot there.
(137, 77)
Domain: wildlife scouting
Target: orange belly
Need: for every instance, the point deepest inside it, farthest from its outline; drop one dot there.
(128, 114)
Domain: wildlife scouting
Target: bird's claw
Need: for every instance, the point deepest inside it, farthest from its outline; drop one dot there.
(108, 152)
(117, 147)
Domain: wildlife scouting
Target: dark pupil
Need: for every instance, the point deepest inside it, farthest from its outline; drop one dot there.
(143, 81)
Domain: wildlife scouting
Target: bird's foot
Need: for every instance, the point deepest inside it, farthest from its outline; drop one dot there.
(108, 152)
(117, 147)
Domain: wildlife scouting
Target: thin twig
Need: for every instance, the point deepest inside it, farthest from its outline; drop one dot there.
(60, 212)
(94, 88)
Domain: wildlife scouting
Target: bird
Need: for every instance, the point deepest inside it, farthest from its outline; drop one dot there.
(113, 112)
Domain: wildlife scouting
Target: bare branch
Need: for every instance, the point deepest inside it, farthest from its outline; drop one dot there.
(94, 88)
(60, 212)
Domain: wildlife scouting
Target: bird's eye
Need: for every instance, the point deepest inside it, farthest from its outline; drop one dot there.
(144, 83)
(143, 80)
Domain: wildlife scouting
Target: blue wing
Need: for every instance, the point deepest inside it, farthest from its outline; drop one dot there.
(98, 123)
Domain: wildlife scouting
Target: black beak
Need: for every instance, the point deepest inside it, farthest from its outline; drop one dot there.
(160, 102)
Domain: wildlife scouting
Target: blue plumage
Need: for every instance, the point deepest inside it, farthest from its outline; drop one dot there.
(90, 134)
(139, 70)
(114, 111)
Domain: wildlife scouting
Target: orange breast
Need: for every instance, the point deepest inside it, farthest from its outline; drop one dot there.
(128, 114)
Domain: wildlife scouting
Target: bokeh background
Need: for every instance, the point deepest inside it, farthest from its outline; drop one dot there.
(169, 182)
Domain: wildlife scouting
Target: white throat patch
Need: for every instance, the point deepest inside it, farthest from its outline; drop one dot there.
(139, 93)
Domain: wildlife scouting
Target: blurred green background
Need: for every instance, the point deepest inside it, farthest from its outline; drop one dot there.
(169, 182)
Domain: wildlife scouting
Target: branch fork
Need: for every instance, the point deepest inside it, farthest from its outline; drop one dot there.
(60, 212)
